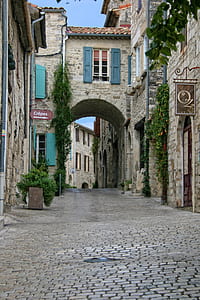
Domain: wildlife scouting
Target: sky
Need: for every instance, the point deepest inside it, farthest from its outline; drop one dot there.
(79, 13)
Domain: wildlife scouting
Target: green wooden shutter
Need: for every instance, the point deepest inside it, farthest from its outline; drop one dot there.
(129, 69)
(87, 64)
(51, 149)
(115, 65)
(40, 82)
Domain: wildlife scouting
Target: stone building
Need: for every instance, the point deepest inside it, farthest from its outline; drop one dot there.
(80, 163)
(45, 63)
(17, 39)
(98, 68)
(143, 90)
(184, 127)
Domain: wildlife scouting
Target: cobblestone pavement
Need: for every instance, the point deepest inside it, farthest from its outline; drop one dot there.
(145, 250)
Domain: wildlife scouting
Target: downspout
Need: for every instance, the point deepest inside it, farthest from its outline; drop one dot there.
(147, 188)
(4, 106)
(32, 77)
(147, 61)
(165, 66)
(63, 41)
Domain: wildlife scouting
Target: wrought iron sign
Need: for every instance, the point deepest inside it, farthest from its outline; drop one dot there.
(185, 96)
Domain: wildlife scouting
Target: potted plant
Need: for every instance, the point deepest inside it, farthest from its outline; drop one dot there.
(39, 187)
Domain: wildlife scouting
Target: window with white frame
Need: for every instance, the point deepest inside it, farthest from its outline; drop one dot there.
(100, 64)
(137, 62)
(86, 163)
(78, 161)
(41, 147)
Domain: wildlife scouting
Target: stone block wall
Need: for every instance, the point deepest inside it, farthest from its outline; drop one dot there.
(188, 57)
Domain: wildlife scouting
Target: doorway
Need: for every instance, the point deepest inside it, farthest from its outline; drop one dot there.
(187, 163)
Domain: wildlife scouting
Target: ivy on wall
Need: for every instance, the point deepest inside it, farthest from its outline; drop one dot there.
(61, 95)
(157, 132)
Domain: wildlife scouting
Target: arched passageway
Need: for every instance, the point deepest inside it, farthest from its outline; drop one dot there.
(99, 108)
(109, 159)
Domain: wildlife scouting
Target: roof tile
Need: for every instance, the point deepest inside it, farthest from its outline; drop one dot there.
(99, 30)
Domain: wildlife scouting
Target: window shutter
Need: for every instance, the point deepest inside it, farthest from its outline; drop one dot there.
(51, 149)
(129, 69)
(87, 64)
(40, 82)
(115, 65)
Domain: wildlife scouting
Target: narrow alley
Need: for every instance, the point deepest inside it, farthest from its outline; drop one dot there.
(100, 244)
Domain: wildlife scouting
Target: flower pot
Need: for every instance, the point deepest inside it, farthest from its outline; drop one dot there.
(35, 198)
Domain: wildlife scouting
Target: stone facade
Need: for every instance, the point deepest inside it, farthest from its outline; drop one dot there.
(180, 157)
(80, 163)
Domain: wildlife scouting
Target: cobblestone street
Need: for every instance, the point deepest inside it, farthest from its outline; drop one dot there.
(100, 245)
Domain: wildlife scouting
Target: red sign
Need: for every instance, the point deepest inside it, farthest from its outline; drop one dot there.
(41, 114)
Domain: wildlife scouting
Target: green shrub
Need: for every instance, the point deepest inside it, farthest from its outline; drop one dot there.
(41, 179)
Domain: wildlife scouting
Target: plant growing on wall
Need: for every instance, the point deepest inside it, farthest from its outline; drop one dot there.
(157, 132)
(62, 118)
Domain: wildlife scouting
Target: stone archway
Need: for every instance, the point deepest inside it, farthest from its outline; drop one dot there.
(99, 108)
(112, 164)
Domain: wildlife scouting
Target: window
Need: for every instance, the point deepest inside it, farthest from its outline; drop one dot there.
(145, 48)
(129, 69)
(86, 163)
(88, 140)
(100, 65)
(184, 43)
(40, 82)
(139, 6)
(83, 137)
(41, 147)
(78, 161)
(77, 135)
(137, 62)
(46, 148)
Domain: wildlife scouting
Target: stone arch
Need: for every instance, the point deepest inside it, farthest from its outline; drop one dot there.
(85, 185)
(99, 108)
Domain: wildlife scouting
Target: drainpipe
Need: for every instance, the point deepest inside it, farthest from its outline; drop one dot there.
(32, 84)
(63, 41)
(147, 61)
(165, 66)
(4, 106)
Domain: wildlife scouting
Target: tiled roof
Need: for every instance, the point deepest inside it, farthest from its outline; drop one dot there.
(98, 30)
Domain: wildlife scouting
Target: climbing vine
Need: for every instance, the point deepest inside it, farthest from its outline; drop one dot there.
(157, 132)
(61, 95)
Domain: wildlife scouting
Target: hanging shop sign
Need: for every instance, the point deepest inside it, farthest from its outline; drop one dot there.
(185, 93)
(39, 114)
(185, 99)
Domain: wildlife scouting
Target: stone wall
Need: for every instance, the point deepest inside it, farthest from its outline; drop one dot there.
(100, 91)
(18, 118)
(138, 90)
(188, 57)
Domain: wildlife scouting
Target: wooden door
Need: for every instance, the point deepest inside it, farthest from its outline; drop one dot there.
(187, 161)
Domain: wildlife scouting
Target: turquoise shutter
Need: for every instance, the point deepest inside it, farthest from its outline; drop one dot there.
(51, 149)
(115, 65)
(87, 64)
(129, 69)
(40, 82)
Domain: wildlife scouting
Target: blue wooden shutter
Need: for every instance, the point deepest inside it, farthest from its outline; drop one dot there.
(51, 149)
(87, 64)
(115, 65)
(129, 69)
(40, 82)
